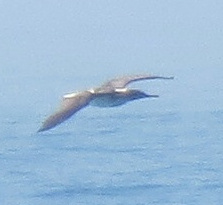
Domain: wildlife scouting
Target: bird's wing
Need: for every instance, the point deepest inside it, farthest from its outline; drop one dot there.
(121, 82)
(71, 104)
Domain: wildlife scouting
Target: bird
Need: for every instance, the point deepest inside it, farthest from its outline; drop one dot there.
(110, 94)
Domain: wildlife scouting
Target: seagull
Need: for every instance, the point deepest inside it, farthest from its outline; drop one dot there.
(110, 94)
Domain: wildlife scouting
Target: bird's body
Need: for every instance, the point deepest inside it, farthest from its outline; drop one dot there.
(112, 93)
(116, 98)
(108, 100)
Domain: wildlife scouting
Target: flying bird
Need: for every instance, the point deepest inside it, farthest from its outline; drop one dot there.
(110, 94)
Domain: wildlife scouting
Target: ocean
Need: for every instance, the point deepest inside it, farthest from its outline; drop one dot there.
(163, 151)
(154, 151)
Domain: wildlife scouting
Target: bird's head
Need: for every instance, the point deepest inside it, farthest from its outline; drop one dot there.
(137, 94)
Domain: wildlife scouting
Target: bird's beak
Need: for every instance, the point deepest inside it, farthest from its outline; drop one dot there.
(152, 96)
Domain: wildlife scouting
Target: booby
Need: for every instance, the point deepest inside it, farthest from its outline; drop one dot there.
(110, 94)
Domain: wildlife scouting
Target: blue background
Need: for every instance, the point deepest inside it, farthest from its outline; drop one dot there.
(160, 151)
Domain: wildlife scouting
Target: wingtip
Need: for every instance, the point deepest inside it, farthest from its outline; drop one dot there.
(169, 78)
(41, 129)
(163, 77)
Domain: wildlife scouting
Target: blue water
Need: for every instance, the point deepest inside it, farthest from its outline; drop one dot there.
(165, 151)
(146, 152)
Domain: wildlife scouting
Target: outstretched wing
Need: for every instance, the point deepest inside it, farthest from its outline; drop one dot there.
(121, 82)
(71, 104)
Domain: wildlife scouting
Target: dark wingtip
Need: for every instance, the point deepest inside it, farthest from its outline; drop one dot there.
(168, 78)
(39, 130)
(42, 129)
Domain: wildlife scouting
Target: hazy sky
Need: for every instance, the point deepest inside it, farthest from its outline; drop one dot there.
(50, 41)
